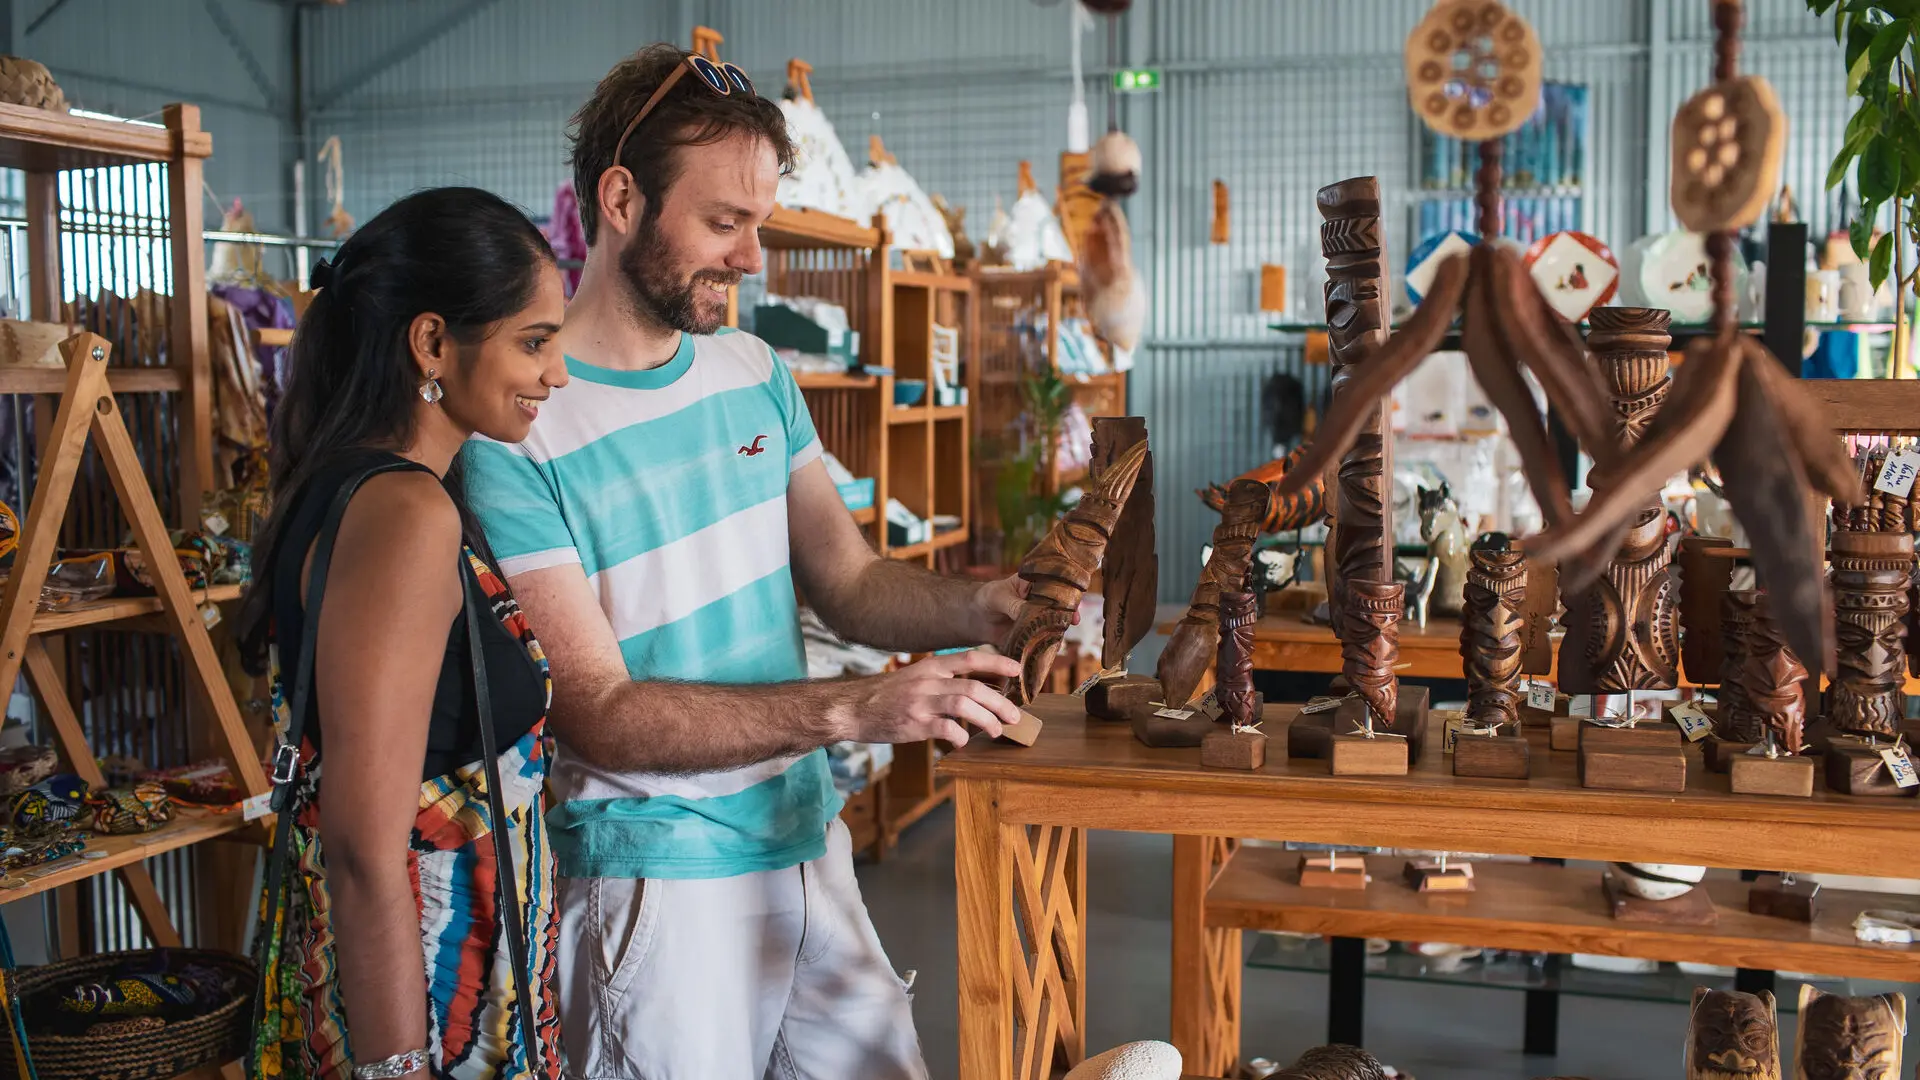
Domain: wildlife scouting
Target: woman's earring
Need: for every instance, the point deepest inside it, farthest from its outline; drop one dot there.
(430, 391)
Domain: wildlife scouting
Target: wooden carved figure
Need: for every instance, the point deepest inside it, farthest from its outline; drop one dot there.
(1234, 678)
(1370, 646)
(1872, 572)
(1059, 570)
(1131, 570)
(1445, 573)
(1849, 1038)
(1490, 628)
(1335, 1062)
(1732, 1036)
(1772, 683)
(1196, 639)
(1623, 632)
(1297, 511)
(1735, 721)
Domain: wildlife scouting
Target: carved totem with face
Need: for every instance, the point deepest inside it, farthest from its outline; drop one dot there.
(1849, 1038)
(1733, 1036)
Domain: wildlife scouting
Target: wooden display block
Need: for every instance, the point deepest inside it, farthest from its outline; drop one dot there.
(1854, 768)
(1159, 731)
(1691, 908)
(1655, 735)
(1409, 722)
(1633, 768)
(1428, 876)
(1026, 732)
(1116, 699)
(1225, 748)
(1757, 774)
(1308, 734)
(1718, 753)
(1333, 872)
(1357, 755)
(1499, 757)
(1564, 733)
(1774, 895)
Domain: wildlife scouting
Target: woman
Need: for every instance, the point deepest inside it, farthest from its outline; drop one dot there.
(390, 955)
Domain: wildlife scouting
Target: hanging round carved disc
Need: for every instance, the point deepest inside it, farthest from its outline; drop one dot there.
(1473, 69)
(1727, 141)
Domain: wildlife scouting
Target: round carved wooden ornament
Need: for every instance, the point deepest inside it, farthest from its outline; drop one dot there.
(1473, 69)
(1727, 141)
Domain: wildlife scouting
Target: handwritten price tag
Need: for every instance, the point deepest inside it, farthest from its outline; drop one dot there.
(210, 615)
(1540, 696)
(1897, 475)
(1455, 727)
(1323, 705)
(216, 523)
(1692, 719)
(1900, 765)
(1174, 714)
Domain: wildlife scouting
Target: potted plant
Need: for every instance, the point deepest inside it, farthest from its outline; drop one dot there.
(1023, 494)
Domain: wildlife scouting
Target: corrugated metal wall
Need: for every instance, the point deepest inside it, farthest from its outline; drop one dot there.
(1275, 97)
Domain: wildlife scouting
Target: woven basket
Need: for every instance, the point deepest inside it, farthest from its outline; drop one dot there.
(28, 82)
(213, 1038)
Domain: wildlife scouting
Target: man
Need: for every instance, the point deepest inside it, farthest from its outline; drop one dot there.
(711, 926)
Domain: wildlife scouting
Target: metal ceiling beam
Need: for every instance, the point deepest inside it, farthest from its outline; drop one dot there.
(45, 15)
(400, 53)
(224, 23)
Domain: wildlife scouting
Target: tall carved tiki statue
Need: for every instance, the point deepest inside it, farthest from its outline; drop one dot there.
(1365, 601)
(1623, 633)
(1871, 574)
(1773, 681)
(1234, 688)
(1490, 629)
(1736, 720)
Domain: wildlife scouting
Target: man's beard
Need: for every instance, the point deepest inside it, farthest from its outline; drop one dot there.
(657, 289)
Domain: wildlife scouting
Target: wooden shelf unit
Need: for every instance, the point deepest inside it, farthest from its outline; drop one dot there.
(189, 826)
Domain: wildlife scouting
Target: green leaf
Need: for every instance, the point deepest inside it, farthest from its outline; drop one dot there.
(1857, 71)
(1881, 259)
(1859, 39)
(1879, 169)
(1901, 9)
(1888, 43)
(1860, 230)
(1867, 118)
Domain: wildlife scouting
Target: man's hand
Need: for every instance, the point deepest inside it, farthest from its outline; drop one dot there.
(933, 699)
(994, 606)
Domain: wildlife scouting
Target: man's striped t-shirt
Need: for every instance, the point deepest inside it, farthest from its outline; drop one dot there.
(669, 487)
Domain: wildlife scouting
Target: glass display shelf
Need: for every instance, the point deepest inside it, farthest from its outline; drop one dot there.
(1677, 329)
(1502, 969)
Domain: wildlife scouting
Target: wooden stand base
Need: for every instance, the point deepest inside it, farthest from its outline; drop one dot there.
(1328, 872)
(1025, 732)
(1410, 719)
(1773, 895)
(1564, 733)
(1658, 736)
(1169, 731)
(1856, 769)
(1427, 876)
(1357, 755)
(1309, 734)
(1115, 699)
(1225, 748)
(1499, 757)
(1756, 774)
(1719, 754)
(1691, 908)
(1633, 768)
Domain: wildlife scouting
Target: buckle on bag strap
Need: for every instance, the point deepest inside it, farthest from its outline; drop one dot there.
(286, 763)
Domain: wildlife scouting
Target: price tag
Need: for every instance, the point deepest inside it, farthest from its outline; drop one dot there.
(1900, 765)
(256, 806)
(210, 615)
(1323, 705)
(1692, 719)
(1581, 705)
(1209, 705)
(216, 523)
(1455, 726)
(1174, 714)
(1092, 680)
(1540, 695)
(1897, 475)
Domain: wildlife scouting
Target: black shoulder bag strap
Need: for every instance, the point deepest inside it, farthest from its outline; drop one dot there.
(507, 891)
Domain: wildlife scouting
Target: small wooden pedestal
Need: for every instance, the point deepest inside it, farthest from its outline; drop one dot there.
(1427, 876)
(1719, 753)
(1025, 732)
(1773, 895)
(1309, 733)
(1653, 736)
(1564, 732)
(1499, 757)
(1169, 731)
(1854, 769)
(1691, 908)
(1358, 755)
(1115, 699)
(1225, 748)
(1756, 774)
(1326, 872)
(1633, 768)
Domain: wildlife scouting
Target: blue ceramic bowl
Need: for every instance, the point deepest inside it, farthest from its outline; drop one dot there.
(908, 392)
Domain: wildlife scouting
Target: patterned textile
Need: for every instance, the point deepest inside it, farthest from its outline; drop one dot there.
(474, 1033)
(136, 808)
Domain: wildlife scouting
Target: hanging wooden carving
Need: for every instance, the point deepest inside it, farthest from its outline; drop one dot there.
(1735, 720)
(1727, 141)
(1732, 1034)
(1490, 629)
(1622, 632)
(1473, 70)
(1872, 572)
(1196, 639)
(1060, 569)
(1773, 681)
(1131, 571)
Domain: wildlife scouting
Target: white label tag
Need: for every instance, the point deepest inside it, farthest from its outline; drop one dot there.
(211, 615)
(256, 806)
(1900, 765)
(1327, 705)
(216, 523)
(1896, 476)
(1174, 714)
(1581, 705)
(1540, 696)
(1692, 720)
(1456, 726)
(1092, 680)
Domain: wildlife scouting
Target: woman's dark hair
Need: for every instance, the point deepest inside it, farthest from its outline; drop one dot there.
(351, 384)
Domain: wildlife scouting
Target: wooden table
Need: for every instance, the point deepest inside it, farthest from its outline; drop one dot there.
(1284, 643)
(1022, 816)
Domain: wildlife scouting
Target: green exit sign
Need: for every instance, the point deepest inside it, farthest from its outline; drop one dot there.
(1136, 80)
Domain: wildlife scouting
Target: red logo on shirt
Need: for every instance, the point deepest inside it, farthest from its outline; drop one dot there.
(754, 447)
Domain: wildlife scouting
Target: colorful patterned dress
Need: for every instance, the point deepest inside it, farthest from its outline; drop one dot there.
(473, 1023)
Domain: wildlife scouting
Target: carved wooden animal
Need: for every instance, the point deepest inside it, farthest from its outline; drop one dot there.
(1732, 1036)
(1490, 629)
(1444, 576)
(1296, 511)
(1849, 1038)
(1059, 570)
(1335, 1062)
(1196, 639)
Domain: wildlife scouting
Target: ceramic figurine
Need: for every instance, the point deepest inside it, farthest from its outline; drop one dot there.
(1732, 1036)
(1658, 881)
(1445, 573)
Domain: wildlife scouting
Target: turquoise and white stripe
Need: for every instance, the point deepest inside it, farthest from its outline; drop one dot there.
(669, 488)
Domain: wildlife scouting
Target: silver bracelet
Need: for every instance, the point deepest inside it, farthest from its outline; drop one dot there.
(392, 1068)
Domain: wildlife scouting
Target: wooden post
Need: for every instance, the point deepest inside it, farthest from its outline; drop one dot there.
(1206, 962)
(983, 875)
(187, 341)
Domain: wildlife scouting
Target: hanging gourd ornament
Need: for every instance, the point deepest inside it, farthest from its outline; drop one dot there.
(1727, 141)
(1473, 70)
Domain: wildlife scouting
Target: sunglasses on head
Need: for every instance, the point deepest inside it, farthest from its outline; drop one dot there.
(722, 79)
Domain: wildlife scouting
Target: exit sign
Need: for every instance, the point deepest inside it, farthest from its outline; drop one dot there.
(1136, 80)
